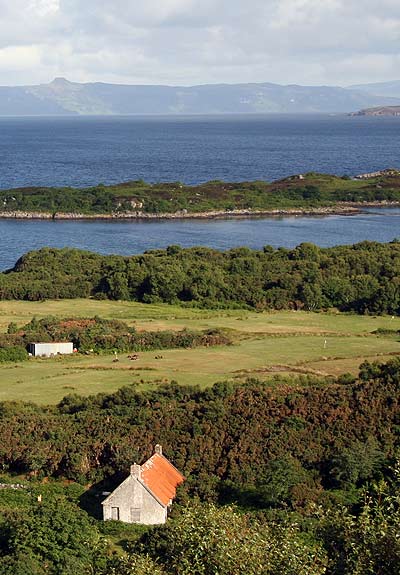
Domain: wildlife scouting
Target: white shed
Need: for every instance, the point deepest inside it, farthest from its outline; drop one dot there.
(51, 348)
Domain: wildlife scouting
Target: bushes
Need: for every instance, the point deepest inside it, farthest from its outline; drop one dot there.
(277, 452)
(205, 539)
(362, 278)
(312, 191)
(14, 353)
(366, 541)
(284, 440)
(55, 537)
(99, 335)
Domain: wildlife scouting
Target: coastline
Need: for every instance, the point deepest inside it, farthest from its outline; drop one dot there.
(349, 208)
(212, 214)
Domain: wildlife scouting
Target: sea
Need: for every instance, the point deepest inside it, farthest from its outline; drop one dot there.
(85, 151)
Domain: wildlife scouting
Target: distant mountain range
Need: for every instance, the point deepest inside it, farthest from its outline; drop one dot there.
(385, 89)
(63, 97)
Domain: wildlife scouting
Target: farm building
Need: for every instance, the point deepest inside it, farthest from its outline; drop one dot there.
(146, 494)
(51, 348)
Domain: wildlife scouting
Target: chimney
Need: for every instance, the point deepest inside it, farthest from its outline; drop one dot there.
(158, 449)
(136, 470)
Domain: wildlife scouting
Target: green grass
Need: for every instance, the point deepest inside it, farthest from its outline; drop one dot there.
(321, 190)
(264, 343)
(164, 316)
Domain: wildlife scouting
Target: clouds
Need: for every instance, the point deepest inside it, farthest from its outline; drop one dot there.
(193, 41)
(43, 8)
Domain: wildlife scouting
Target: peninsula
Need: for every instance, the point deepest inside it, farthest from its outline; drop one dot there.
(310, 193)
(378, 111)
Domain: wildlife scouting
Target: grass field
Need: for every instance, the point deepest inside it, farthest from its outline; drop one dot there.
(264, 344)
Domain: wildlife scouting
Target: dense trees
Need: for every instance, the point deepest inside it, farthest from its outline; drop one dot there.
(279, 445)
(52, 537)
(308, 470)
(366, 541)
(363, 278)
(55, 537)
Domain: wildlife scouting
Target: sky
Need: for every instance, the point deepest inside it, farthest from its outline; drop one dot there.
(187, 42)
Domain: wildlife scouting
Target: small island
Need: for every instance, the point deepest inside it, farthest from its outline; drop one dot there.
(378, 111)
(311, 193)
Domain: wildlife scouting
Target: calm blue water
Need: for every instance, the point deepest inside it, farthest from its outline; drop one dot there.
(87, 151)
(127, 238)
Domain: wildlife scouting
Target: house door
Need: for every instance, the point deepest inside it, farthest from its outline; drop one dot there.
(115, 513)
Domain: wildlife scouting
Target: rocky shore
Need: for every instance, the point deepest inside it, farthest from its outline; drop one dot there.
(213, 214)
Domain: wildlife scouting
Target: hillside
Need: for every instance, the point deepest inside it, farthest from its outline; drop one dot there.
(385, 89)
(310, 466)
(64, 97)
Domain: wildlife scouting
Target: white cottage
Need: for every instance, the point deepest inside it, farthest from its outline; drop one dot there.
(146, 494)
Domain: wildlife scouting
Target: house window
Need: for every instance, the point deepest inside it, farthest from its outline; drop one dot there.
(115, 513)
(135, 514)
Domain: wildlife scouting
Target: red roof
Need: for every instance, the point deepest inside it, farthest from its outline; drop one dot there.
(161, 478)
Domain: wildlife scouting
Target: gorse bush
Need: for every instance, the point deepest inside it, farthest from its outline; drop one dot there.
(13, 353)
(96, 334)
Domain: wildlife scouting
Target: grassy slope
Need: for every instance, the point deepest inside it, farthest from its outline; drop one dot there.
(264, 343)
(172, 197)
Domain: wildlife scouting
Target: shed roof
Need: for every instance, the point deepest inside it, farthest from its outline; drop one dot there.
(161, 478)
(49, 342)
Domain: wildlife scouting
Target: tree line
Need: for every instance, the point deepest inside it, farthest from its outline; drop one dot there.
(361, 278)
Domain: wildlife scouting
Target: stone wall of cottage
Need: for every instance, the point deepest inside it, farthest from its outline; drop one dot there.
(132, 503)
